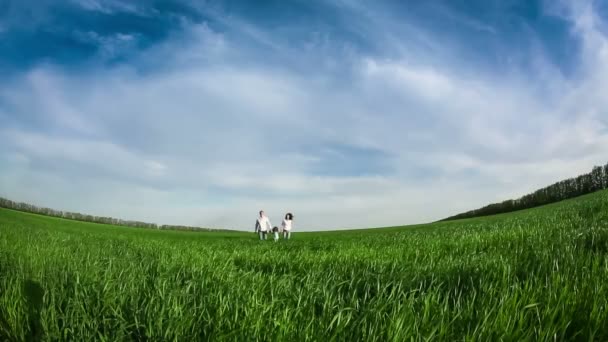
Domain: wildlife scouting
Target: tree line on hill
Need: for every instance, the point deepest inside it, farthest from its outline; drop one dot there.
(590, 182)
(20, 206)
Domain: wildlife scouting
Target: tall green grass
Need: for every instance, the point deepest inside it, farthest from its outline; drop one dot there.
(540, 274)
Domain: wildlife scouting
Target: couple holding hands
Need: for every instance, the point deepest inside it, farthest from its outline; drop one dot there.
(263, 226)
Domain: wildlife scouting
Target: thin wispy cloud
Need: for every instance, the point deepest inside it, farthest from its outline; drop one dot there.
(350, 114)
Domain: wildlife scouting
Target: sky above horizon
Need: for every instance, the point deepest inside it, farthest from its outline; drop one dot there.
(348, 113)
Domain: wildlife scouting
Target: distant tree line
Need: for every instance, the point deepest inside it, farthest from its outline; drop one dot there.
(6, 203)
(590, 182)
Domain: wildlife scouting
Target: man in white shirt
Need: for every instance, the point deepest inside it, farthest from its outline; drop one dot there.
(262, 225)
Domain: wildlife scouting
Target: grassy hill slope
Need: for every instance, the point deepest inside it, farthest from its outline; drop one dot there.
(534, 274)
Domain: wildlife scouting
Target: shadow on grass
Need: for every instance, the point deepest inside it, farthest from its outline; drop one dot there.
(34, 294)
(593, 240)
(4, 328)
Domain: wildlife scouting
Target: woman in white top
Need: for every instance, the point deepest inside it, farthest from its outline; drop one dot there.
(287, 225)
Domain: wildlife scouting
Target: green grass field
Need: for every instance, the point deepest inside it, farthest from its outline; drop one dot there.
(539, 274)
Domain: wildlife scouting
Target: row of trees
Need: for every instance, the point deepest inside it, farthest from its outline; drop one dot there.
(590, 182)
(6, 203)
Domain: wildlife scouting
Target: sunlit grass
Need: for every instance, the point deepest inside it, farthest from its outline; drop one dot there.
(540, 274)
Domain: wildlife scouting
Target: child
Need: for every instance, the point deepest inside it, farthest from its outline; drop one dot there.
(275, 231)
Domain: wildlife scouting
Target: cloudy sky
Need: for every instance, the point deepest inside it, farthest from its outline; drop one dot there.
(348, 113)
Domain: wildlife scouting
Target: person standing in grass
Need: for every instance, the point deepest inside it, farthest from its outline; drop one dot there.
(262, 225)
(275, 233)
(287, 225)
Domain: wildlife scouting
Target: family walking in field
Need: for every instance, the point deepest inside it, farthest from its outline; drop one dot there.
(263, 226)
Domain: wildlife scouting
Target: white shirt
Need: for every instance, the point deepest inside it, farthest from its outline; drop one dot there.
(286, 225)
(263, 224)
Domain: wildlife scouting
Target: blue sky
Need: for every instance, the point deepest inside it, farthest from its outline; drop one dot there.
(347, 113)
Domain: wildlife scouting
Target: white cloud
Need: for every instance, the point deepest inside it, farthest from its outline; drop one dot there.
(218, 133)
(108, 6)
